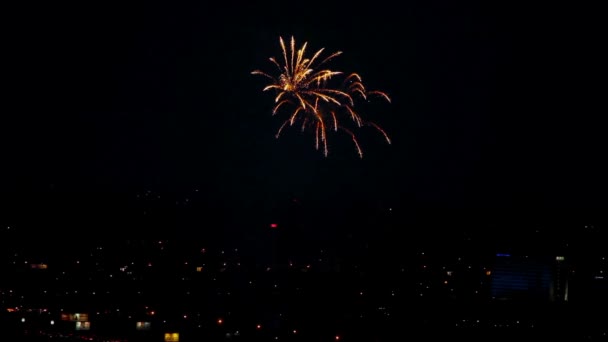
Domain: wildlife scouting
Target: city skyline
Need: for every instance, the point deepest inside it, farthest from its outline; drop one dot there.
(145, 196)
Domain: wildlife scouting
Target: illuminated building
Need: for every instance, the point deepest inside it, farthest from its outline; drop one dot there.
(529, 278)
(142, 325)
(76, 317)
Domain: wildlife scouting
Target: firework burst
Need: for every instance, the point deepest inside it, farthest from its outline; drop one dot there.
(302, 87)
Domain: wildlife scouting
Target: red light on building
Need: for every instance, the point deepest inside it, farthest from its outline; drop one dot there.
(274, 225)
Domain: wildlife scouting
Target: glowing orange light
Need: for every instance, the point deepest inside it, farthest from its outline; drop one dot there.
(259, 326)
(171, 337)
(220, 321)
(337, 337)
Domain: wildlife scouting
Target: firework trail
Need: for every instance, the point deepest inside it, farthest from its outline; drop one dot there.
(302, 87)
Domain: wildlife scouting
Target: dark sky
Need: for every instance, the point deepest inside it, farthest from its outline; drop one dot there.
(493, 107)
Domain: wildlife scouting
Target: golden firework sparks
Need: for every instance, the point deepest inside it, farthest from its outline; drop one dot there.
(303, 85)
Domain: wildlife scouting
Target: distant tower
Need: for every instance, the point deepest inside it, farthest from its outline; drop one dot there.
(559, 286)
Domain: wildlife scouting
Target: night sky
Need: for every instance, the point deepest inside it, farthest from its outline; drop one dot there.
(493, 108)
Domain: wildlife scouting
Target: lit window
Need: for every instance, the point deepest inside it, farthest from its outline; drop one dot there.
(83, 325)
(171, 337)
